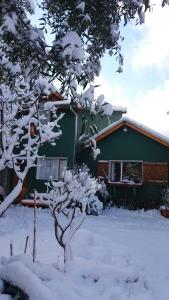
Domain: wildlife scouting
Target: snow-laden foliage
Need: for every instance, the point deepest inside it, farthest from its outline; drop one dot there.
(23, 61)
(102, 192)
(82, 32)
(165, 198)
(22, 131)
(22, 45)
(94, 206)
(94, 28)
(68, 201)
(22, 56)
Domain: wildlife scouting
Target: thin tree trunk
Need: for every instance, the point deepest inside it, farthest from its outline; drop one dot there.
(11, 197)
(67, 256)
(34, 230)
(11, 249)
(26, 244)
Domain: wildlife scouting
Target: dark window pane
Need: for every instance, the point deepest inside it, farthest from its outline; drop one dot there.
(115, 171)
(132, 172)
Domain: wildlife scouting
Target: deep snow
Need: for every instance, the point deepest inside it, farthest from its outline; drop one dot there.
(117, 256)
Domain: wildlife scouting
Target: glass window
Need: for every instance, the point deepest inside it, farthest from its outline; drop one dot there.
(116, 171)
(44, 115)
(62, 167)
(132, 172)
(126, 171)
(50, 167)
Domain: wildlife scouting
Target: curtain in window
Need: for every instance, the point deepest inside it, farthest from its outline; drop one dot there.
(62, 167)
(48, 167)
(44, 115)
(112, 172)
(125, 171)
(116, 171)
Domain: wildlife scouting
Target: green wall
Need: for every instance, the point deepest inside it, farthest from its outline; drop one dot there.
(101, 121)
(65, 144)
(130, 145)
(64, 148)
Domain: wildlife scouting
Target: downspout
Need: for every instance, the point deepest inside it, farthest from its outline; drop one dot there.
(75, 136)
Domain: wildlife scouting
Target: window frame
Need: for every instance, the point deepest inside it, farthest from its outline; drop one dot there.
(57, 159)
(43, 111)
(121, 182)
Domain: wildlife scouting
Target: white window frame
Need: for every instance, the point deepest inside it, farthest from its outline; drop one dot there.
(43, 112)
(58, 171)
(121, 171)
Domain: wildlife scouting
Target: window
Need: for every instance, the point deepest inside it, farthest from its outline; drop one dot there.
(44, 115)
(51, 167)
(125, 172)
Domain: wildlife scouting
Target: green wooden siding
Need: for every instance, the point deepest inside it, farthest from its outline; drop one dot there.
(101, 121)
(64, 148)
(130, 145)
(65, 144)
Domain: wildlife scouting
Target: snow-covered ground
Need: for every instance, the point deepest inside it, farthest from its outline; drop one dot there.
(117, 256)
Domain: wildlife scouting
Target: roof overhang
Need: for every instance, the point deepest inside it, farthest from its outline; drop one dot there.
(127, 122)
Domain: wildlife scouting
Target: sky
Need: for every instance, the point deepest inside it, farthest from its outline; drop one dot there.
(143, 87)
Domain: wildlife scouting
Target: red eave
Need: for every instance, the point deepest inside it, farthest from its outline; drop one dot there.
(55, 97)
(52, 97)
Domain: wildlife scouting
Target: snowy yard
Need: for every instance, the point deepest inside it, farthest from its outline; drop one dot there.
(117, 256)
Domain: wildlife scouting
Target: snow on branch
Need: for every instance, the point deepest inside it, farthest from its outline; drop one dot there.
(22, 131)
(67, 201)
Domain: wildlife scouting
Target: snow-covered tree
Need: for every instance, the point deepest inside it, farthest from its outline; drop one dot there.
(84, 30)
(23, 59)
(23, 131)
(67, 201)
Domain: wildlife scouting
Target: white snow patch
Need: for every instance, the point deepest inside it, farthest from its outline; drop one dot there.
(117, 256)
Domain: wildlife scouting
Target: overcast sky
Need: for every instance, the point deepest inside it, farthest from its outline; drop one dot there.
(143, 87)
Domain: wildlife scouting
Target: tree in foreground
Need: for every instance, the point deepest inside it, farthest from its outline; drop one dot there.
(68, 201)
(22, 87)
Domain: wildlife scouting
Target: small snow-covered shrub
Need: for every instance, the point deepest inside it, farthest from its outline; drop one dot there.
(166, 198)
(94, 206)
(67, 201)
(102, 192)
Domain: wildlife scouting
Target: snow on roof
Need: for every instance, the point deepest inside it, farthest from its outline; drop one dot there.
(113, 108)
(56, 99)
(49, 104)
(138, 126)
(119, 108)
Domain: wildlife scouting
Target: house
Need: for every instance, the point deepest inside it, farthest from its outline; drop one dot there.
(134, 160)
(64, 154)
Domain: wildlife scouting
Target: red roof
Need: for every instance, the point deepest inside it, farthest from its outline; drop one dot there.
(52, 97)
